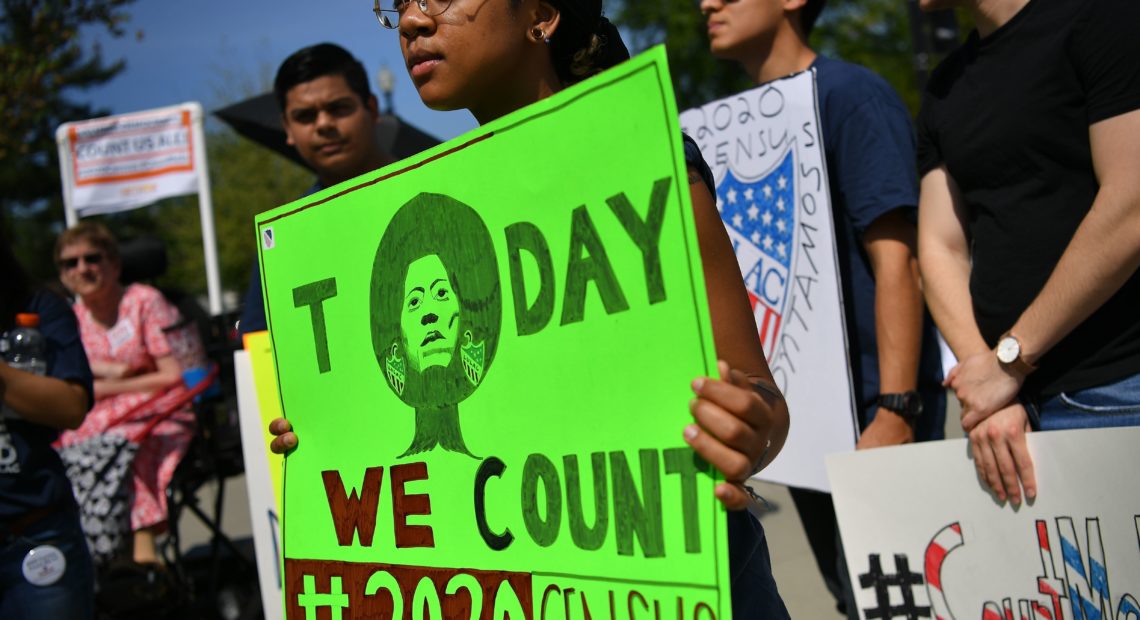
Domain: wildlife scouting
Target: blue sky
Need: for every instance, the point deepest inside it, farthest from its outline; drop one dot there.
(216, 52)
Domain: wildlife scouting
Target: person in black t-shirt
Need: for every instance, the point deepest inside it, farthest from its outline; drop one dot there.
(1029, 223)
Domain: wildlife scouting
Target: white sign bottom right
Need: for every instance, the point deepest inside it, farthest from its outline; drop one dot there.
(924, 538)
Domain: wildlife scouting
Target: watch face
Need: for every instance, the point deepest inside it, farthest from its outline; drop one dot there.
(914, 405)
(908, 404)
(1008, 350)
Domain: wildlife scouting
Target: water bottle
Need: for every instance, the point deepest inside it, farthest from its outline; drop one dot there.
(27, 349)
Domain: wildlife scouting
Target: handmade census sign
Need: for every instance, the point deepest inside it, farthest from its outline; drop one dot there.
(766, 152)
(923, 539)
(256, 385)
(486, 352)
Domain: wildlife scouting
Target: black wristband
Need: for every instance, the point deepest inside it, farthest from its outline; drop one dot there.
(908, 405)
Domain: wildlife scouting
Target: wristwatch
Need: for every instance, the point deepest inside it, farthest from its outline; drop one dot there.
(1008, 353)
(907, 404)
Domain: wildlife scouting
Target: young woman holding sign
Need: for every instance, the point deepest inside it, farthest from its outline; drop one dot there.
(493, 57)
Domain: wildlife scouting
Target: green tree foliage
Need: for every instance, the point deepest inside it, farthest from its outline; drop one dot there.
(873, 33)
(246, 180)
(698, 77)
(42, 64)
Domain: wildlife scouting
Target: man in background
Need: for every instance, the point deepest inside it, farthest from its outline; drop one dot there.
(330, 115)
(869, 147)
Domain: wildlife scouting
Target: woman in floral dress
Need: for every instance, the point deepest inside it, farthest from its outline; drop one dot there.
(137, 354)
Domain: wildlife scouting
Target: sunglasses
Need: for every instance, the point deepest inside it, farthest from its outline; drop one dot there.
(67, 264)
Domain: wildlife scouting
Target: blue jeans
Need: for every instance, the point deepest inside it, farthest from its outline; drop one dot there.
(1112, 404)
(72, 597)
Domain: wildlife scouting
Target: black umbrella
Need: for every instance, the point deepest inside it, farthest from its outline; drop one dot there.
(259, 119)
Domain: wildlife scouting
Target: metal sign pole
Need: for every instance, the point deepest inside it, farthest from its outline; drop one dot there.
(63, 144)
(206, 208)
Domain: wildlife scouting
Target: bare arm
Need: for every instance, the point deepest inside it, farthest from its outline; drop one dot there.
(1105, 250)
(890, 244)
(1103, 254)
(997, 443)
(107, 369)
(741, 428)
(944, 259)
(167, 372)
(43, 400)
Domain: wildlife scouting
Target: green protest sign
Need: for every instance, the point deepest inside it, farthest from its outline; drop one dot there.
(486, 351)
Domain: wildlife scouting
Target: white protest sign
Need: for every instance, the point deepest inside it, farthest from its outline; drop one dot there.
(262, 503)
(131, 160)
(923, 539)
(766, 151)
(123, 162)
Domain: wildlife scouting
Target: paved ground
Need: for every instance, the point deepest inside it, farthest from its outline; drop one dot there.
(794, 567)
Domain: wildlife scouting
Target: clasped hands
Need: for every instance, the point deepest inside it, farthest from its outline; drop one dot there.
(731, 430)
(996, 423)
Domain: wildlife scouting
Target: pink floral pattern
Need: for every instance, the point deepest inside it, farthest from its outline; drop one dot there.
(138, 339)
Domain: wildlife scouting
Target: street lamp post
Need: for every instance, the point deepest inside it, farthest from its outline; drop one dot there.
(387, 82)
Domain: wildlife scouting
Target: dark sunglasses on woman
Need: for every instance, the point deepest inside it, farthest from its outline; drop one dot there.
(68, 264)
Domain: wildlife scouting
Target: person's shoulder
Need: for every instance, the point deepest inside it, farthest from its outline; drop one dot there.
(145, 298)
(844, 86)
(847, 75)
(1098, 23)
(143, 292)
(50, 306)
(1078, 14)
(943, 77)
(58, 321)
(695, 160)
(314, 188)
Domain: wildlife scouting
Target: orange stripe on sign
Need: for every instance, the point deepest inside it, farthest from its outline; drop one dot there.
(137, 175)
(75, 166)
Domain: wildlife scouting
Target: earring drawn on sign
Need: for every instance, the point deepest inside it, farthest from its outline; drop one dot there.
(436, 313)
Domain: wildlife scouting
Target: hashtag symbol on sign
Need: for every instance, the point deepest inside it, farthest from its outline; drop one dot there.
(903, 579)
(310, 600)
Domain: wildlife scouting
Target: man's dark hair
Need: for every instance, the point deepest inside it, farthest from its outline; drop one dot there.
(315, 61)
(809, 14)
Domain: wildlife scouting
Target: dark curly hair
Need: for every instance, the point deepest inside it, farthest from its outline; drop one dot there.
(809, 14)
(586, 43)
(315, 61)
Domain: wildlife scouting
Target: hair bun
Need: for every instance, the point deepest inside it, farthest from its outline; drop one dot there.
(613, 49)
(585, 44)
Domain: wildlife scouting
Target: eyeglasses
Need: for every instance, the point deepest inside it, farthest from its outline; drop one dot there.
(67, 264)
(390, 18)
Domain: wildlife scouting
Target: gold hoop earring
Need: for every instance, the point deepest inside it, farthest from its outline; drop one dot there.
(538, 33)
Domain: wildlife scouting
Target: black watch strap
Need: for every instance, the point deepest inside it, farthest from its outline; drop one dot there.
(906, 404)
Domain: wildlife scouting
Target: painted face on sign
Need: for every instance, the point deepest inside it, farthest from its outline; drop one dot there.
(433, 344)
(429, 318)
